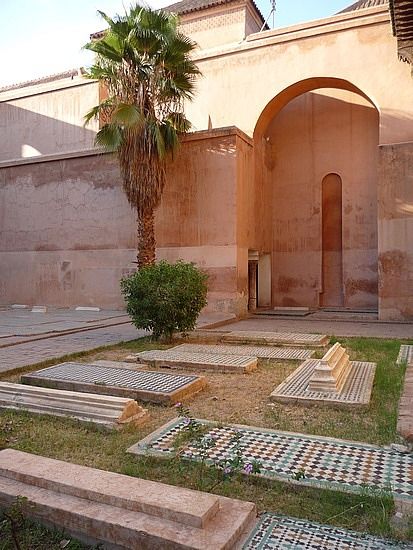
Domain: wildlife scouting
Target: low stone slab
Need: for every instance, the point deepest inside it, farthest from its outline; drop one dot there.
(306, 460)
(405, 355)
(204, 361)
(405, 418)
(261, 352)
(122, 511)
(282, 532)
(154, 387)
(110, 412)
(275, 338)
(355, 392)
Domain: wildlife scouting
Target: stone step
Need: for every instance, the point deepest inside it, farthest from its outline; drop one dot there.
(111, 412)
(275, 338)
(261, 352)
(204, 361)
(119, 510)
(148, 386)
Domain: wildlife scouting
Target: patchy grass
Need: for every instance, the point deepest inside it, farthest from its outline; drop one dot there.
(68, 440)
(242, 399)
(32, 536)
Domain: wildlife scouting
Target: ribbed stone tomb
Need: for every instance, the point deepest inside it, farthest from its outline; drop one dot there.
(148, 386)
(171, 358)
(334, 380)
(120, 511)
(405, 355)
(275, 338)
(107, 411)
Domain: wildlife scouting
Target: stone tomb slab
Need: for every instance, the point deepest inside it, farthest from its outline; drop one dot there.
(282, 532)
(107, 411)
(121, 511)
(275, 338)
(355, 392)
(204, 361)
(405, 414)
(154, 387)
(261, 352)
(326, 463)
(405, 355)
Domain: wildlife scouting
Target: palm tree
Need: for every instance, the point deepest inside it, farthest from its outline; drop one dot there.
(144, 64)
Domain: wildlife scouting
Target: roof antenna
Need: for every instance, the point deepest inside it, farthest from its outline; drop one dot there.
(272, 12)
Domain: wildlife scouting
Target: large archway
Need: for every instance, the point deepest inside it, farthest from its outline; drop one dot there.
(316, 153)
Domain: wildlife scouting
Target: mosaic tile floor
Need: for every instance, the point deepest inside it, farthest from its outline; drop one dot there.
(405, 355)
(210, 361)
(356, 390)
(324, 462)
(263, 352)
(276, 532)
(274, 338)
(83, 376)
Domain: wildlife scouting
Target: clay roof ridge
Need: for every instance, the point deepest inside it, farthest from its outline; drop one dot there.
(43, 80)
(364, 4)
(189, 6)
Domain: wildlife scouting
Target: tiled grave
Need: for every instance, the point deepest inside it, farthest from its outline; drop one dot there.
(275, 338)
(405, 355)
(277, 532)
(262, 352)
(204, 361)
(155, 387)
(321, 462)
(103, 410)
(332, 380)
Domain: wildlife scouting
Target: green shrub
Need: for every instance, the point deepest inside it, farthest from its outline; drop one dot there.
(165, 297)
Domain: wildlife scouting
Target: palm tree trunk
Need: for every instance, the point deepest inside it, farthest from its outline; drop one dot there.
(146, 239)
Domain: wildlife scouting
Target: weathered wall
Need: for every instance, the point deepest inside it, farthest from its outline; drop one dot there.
(47, 118)
(198, 217)
(331, 131)
(67, 233)
(395, 225)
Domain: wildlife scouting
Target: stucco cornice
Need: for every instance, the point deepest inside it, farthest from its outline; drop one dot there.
(217, 133)
(193, 136)
(335, 24)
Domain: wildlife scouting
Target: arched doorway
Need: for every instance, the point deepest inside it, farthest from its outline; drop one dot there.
(316, 153)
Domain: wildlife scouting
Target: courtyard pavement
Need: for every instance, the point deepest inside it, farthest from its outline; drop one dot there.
(329, 326)
(28, 338)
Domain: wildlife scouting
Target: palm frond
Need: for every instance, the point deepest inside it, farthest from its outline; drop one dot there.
(109, 137)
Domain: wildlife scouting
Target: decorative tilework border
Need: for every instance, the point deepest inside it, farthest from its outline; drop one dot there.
(329, 463)
(277, 532)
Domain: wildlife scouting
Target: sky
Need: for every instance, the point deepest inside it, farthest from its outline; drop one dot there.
(43, 37)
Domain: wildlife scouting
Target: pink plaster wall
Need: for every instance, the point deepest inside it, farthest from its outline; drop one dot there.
(395, 225)
(67, 233)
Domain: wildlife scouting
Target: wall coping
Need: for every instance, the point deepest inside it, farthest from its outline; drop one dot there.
(44, 88)
(397, 144)
(193, 136)
(311, 29)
